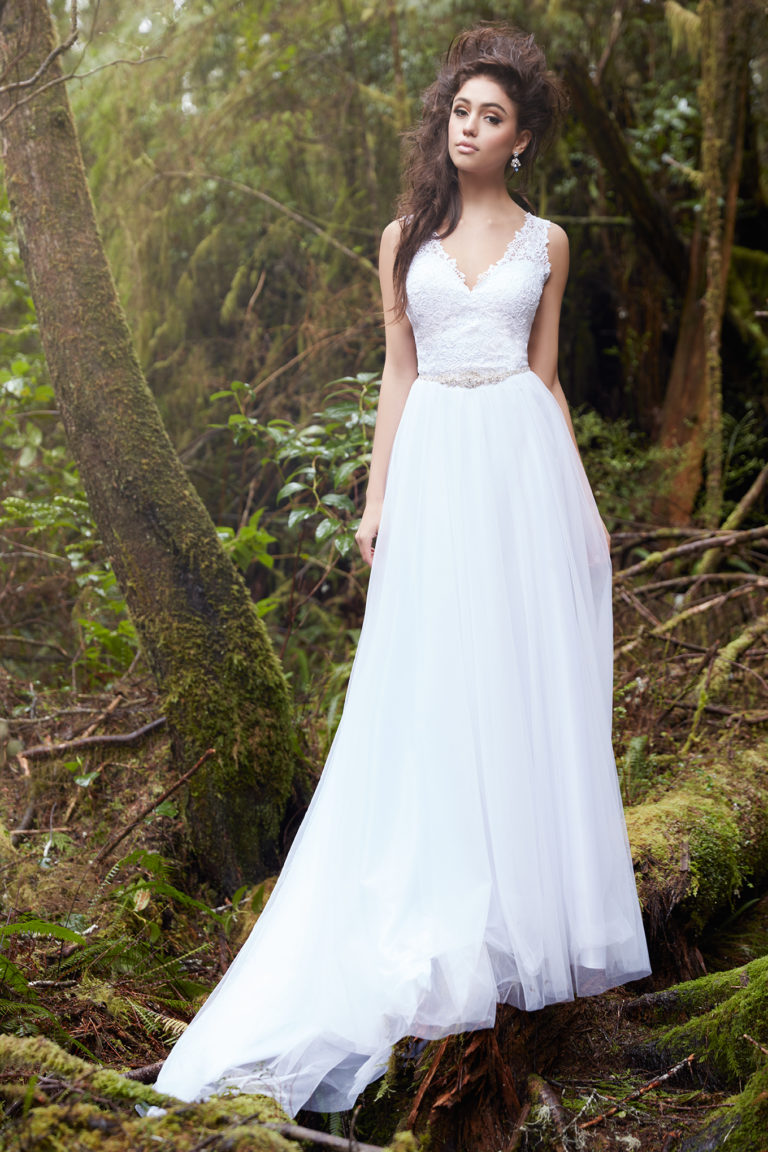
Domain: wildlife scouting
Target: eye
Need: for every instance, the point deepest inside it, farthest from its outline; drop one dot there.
(460, 111)
(493, 119)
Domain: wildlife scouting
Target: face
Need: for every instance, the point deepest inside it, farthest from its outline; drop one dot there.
(482, 128)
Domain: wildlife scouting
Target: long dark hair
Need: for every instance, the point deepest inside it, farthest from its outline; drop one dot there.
(432, 199)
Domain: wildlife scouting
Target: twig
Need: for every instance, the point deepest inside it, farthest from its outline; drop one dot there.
(151, 807)
(104, 715)
(322, 1139)
(638, 1092)
(426, 1083)
(716, 540)
(755, 1044)
(276, 204)
(39, 831)
(42, 750)
(64, 79)
(35, 644)
(59, 50)
(147, 1074)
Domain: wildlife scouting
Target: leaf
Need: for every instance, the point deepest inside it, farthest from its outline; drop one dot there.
(41, 928)
(338, 500)
(298, 516)
(325, 529)
(141, 899)
(290, 489)
(87, 780)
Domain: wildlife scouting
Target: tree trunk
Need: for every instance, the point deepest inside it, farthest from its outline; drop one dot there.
(222, 683)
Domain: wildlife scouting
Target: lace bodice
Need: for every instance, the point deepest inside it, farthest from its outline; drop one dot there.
(479, 332)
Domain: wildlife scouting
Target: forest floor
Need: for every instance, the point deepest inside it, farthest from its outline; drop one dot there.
(105, 950)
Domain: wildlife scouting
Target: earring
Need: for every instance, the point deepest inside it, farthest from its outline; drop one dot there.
(515, 163)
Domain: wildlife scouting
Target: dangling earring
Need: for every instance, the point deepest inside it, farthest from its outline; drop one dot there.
(514, 163)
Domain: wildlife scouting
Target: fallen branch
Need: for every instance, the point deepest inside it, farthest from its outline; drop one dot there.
(692, 548)
(639, 1092)
(38, 751)
(321, 1139)
(151, 807)
(755, 1044)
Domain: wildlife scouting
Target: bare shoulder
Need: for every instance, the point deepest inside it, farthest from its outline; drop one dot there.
(390, 237)
(559, 252)
(557, 238)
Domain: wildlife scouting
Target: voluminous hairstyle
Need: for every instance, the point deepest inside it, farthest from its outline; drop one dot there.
(432, 200)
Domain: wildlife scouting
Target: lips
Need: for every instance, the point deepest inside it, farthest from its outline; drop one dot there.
(465, 146)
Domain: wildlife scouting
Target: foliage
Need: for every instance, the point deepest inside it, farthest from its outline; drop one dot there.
(65, 602)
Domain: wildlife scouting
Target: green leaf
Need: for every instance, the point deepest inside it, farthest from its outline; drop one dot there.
(325, 529)
(290, 489)
(338, 500)
(298, 516)
(41, 928)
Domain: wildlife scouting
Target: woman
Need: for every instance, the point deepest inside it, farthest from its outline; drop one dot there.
(466, 844)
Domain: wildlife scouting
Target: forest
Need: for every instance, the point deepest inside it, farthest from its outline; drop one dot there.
(191, 344)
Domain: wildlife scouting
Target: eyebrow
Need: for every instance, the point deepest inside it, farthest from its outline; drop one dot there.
(489, 104)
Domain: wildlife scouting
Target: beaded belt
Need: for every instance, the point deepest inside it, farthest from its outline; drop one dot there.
(475, 378)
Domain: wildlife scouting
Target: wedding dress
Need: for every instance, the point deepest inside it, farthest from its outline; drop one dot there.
(466, 844)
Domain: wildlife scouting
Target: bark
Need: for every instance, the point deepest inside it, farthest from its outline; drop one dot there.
(222, 684)
(695, 848)
(694, 384)
(652, 220)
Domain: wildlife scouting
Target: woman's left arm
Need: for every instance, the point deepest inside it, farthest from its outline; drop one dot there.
(545, 333)
(543, 342)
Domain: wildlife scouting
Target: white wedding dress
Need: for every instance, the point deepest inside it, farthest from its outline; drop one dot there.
(466, 843)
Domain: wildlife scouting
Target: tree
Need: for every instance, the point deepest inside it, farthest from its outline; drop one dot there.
(221, 681)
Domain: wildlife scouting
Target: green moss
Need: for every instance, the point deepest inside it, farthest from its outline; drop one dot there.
(740, 1126)
(715, 1012)
(698, 844)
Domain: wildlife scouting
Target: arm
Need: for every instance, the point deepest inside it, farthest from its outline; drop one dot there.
(400, 370)
(543, 343)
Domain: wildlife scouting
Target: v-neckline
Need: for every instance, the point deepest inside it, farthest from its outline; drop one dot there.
(462, 276)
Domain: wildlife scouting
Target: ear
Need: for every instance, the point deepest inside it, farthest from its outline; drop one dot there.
(523, 141)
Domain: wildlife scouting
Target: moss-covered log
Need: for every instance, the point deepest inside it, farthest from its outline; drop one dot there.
(717, 1017)
(222, 683)
(696, 847)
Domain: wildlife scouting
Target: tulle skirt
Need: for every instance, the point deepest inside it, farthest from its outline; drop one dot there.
(466, 844)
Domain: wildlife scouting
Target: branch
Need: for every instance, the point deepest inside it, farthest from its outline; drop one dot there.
(65, 45)
(640, 1092)
(42, 750)
(721, 539)
(151, 807)
(289, 212)
(710, 558)
(64, 79)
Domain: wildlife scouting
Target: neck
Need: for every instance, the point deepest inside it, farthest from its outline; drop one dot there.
(483, 198)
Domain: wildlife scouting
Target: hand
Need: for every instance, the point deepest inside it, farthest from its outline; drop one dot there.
(607, 534)
(369, 526)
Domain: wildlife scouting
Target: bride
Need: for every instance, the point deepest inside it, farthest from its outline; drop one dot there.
(466, 844)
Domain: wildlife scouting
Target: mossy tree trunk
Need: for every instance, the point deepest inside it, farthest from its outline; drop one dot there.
(691, 413)
(221, 681)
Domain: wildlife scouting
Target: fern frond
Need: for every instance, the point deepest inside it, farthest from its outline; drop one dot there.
(684, 26)
(156, 1023)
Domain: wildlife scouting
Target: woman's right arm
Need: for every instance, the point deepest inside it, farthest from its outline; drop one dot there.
(400, 370)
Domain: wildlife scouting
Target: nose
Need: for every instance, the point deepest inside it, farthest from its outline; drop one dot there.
(469, 128)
